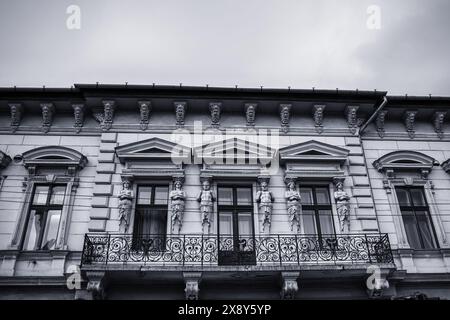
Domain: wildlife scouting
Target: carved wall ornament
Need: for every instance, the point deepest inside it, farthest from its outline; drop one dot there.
(285, 115)
(47, 116)
(206, 199)
(294, 206)
(108, 114)
(191, 290)
(289, 287)
(125, 205)
(352, 120)
(318, 111)
(438, 122)
(5, 160)
(96, 285)
(145, 108)
(16, 110)
(215, 109)
(177, 200)
(180, 112)
(410, 118)
(250, 113)
(265, 199)
(379, 122)
(342, 204)
(78, 112)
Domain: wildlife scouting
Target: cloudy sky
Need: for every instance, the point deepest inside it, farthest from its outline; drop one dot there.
(273, 43)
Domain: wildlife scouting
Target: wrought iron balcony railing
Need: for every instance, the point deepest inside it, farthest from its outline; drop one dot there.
(197, 250)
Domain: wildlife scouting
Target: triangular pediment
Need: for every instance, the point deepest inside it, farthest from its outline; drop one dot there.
(313, 150)
(152, 149)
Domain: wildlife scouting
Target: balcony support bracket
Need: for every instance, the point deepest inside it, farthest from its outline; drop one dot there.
(289, 284)
(192, 281)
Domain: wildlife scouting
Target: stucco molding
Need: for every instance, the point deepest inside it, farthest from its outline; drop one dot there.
(446, 165)
(438, 123)
(285, 116)
(318, 115)
(78, 112)
(48, 110)
(16, 111)
(145, 108)
(250, 113)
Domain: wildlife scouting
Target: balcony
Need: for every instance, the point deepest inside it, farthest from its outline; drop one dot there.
(197, 252)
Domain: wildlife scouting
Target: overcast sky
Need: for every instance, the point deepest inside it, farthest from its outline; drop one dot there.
(273, 43)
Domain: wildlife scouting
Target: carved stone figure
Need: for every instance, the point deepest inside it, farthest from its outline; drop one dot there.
(180, 112)
(318, 111)
(285, 114)
(144, 110)
(250, 113)
(410, 117)
(47, 116)
(16, 115)
(215, 109)
(206, 199)
(293, 205)
(125, 205)
(265, 199)
(342, 204)
(352, 121)
(78, 112)
(177, 199)
(380, 122)
(438, 122)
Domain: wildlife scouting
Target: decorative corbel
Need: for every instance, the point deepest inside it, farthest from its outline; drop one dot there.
(352, 121)
(381, 116)
(409, 117)
(446, 165)
(191, 281)
(5, 160)
(48, 110)
(285, 115)
(180, 112)
(16, 115)
(215, 108)
(289, 287)
(96, 284)
(376, 284)
(108, 114)
(438, 122)
(318, 111)
(145, 107)
(250, 113)
(78, 111)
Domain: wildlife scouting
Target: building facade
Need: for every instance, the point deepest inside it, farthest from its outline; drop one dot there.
(161, 192)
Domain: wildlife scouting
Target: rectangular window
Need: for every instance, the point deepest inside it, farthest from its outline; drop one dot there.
(416, 218)
(316, 210)
(44, 217)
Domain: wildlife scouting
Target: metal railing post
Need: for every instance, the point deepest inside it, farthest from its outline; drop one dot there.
(279, 250)
(368, 248)
(296, 249)
(107, 249)
(202, 250)
(184, 248)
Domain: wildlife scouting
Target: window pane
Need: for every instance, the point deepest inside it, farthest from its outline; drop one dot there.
(418, 197)
(40, 195)
(245, 223)
(306, 194)
(326, 222)
(309, 222)
(57, 196)
(161, 195)
(226, 223)
(403, 197)
(51, 229)
(411, 229)
(33, 231)
(145, 194)
(244, 196)
(225, 196)
(425, 230)
(322, 196)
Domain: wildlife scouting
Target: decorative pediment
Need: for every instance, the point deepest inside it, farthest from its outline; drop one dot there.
(313, 159)
(153, 149)
(405, 160)
(53, 156)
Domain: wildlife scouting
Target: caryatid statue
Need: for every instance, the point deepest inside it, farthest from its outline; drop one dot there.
(177, 198)
(294, 206)
(265, 199)
(206, 199)
(125, 205)
(342, 204)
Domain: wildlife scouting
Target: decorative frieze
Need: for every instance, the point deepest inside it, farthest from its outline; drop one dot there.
(16, 111)
(379, 122)
(351, 116)
(145, 108)
(285, 115)
(78, 112)
(318, 111)
(342, 204)
(250, 113)
(265, 200)
(177, 199)
(410, 117)
(438, 123)
(48, 110)
(180, 112)
(215, 108)
(206, 199)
